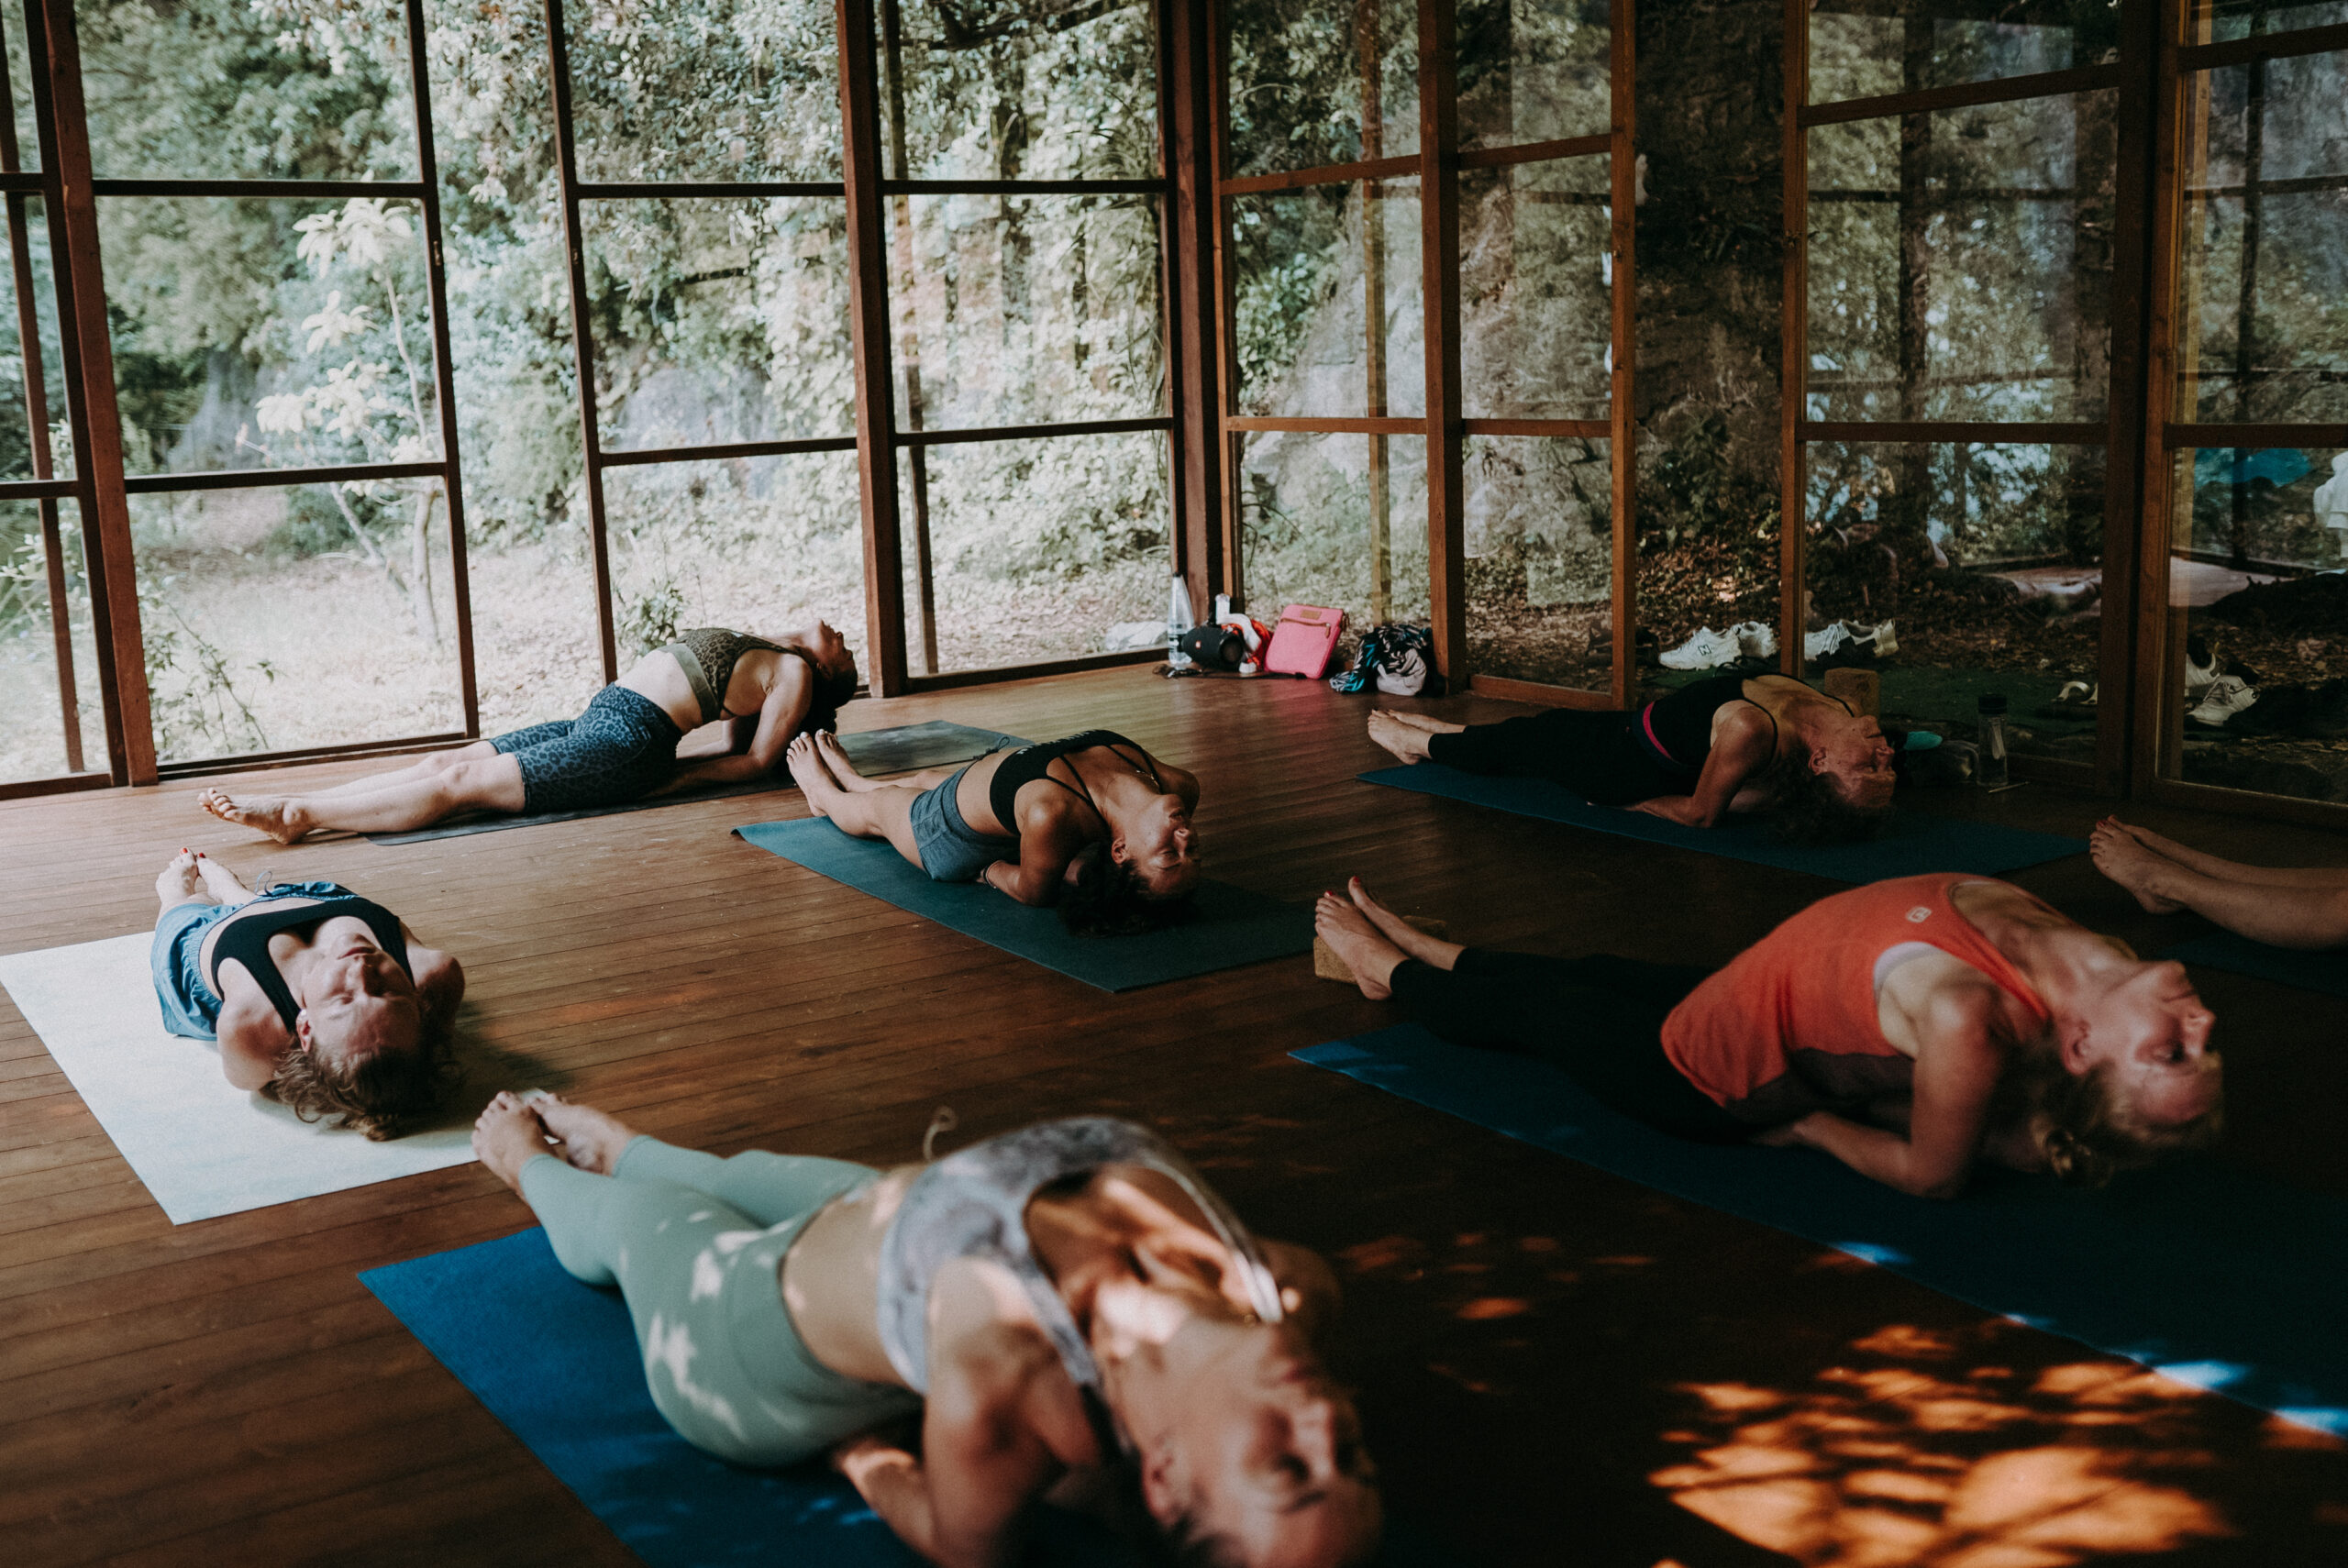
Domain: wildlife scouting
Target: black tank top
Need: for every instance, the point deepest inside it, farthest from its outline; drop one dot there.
(1677, 728)
(1030, 763)
(245, 938)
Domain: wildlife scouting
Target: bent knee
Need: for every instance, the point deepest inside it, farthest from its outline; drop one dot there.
(494, 781)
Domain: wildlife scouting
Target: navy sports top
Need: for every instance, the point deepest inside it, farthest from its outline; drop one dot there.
(245, 938)
(1030, 763)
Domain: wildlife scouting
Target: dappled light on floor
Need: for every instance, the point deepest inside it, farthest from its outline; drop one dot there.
(1918, 1453)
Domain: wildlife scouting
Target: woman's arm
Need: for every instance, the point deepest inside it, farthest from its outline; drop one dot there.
(439, 985)
(1956, 1076)
(252, 1037)
(1744, 749)
(785, 709)
(1048, 843)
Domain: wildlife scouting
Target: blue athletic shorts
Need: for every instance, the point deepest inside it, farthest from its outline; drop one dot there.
(951, 850)
(190, 1010)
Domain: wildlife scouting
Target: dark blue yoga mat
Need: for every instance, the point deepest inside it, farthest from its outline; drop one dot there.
(1228, 926)
(1916, 842)
(2215, 1277)
(557, 1362)
(2326, 972)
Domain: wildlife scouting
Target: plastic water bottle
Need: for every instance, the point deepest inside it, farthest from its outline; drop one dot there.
(1992, 773)
(1178, 621)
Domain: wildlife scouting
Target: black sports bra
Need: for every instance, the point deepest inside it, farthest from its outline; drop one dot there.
(1030, 763)
(245, 938)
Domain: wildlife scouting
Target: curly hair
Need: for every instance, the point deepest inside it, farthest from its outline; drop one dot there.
(1107, 899)
(2086, 1128)
(383, 1094)
(1805, 806)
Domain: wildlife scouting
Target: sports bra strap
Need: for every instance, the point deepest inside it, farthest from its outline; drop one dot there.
(245, 937)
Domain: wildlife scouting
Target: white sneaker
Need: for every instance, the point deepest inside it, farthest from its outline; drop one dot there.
(1887, 642)
(1707, 649)
(2200, 674)
(1817, 644)
(1754, 639)
(2227, 695)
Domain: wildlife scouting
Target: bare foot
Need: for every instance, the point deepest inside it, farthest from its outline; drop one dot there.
(2120, 855)
(843, 771)
(807, 770)
(1407, 742)
(179, 879)
(2158, 843)
(280, 819)
(508, 1135)
(1414, 942)
(1422, 721)
(592, 1139)
(1360, 945)
(220, 881)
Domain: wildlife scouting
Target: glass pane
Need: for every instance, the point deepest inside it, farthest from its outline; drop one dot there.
(51, 720)
(675, 90)
(20, 410)
(1535, 71)
(1018, 90)
(2258, 621)
(1540, 560)
(1710, 546)
(761, 543)
(269, 334)
(20, 93)
(2265, 273)
(1986, 562)
(1038, 549)
(1964, 274)
(720, 321)
(2215, 21)
(1319, 82)
(256, 92)
(1300, 275)
(1335, 520)
(1865, 53)
(310, 615)
(1536, 290)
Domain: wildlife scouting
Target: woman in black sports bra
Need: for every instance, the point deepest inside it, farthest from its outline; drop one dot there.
(714, 707)
(1092, 823)
(1769, 744)
(319, 998)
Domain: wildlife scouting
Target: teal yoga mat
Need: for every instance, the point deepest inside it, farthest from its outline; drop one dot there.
(899, 750)
(2325, 972)
(1228, 926)
(2215, 1277)
(1916, 842)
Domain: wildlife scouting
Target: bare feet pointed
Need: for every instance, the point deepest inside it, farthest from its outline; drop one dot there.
(592, 1139)
(1364, 949)
(1407, 742)
(508, 1135)
(843, 771)
(280, 819)
(2120, 855)
(807, 770)
(181, 878)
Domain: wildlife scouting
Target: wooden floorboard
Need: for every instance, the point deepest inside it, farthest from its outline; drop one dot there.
(1557, 1365)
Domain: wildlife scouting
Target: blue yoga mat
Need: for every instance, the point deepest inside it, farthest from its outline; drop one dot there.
(557, 1362)
(2325, 972)
(1916, 842)
(1228, 926)
(2215, 1277)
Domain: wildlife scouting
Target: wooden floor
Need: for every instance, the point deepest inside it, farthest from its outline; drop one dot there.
(1557, 1366)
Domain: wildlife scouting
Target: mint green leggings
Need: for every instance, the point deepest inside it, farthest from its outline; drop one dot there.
(695, 1244)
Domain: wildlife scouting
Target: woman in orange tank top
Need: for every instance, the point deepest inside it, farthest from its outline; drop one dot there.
(1908, 1028)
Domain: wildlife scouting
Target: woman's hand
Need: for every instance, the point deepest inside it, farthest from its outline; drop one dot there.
(1788, 1135)
(1680, 809)
(988, 874)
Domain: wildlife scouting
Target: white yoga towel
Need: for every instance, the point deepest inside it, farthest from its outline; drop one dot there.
(203, 1146)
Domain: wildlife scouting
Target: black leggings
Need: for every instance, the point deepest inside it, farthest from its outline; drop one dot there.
(1598, 1020)
(1590, 751)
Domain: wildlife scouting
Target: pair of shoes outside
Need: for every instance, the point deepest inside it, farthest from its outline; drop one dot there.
(1709, 649)
(2225, 696)
(1851, 642)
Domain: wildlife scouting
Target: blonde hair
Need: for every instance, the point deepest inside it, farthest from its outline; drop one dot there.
(381, 1094)
(2087, 1130)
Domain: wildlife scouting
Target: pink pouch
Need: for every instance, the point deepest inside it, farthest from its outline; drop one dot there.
(1306, 640)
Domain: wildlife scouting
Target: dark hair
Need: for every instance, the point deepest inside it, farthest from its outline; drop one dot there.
(831, 693)
(1805, 806)
(381, 1094)
(1107, 899)
(2086, 1133)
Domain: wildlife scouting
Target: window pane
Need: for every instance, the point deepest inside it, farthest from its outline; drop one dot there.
(21, 92)
(763, 545)
(2215, 21)
(2265, 236)
(720, 321)
(16, 411)
(1300, 275)
(1039, 549)
(269, 334)
(1318, 82)
(37, 707)
(1536, 285)
(1966, 273)
(676, 90)
(1540, 560)
(255, 92)
(1536, 71)
(1026, 310)
(1335, 520)
(1018, 90)
(310, 615)
(1936, 43)
(2015, 609)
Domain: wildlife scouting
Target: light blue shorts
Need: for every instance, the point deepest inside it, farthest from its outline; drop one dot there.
(951, 850)
(190, 1008)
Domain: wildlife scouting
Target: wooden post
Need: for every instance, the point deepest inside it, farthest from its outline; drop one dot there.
(1373, 315)
(1793, 353)
(868, 297)
(1193, 309)
(1622, 427)
(1439, 246)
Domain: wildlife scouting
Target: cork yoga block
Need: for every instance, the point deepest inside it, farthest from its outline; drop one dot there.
(1327, 966)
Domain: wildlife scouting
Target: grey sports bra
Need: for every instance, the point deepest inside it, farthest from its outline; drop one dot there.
(973, 1203)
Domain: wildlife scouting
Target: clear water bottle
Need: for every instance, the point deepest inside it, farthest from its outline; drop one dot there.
(1178, 621)
(1991, 772)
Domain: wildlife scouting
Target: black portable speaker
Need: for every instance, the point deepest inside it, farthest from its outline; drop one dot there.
(1214, 648)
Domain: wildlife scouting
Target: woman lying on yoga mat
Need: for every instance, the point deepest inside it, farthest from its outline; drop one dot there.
(1093, 822)
(739, 698)
(319, 998)
(1068, 1310)
(1767, 744)
(1906, 1027)
(2307, 910)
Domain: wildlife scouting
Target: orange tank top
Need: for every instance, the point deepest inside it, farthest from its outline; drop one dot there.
(1791, 1026)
